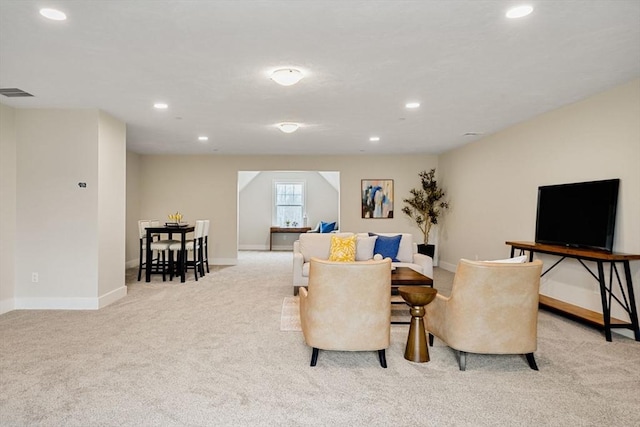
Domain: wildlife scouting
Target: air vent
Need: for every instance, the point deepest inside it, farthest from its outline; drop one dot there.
(13, 92)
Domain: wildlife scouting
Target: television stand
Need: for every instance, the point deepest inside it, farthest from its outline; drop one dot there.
(604, 319)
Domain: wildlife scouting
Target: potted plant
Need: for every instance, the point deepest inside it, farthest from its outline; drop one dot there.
(425, 206)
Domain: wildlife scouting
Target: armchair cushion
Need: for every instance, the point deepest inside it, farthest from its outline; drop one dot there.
(343, 249)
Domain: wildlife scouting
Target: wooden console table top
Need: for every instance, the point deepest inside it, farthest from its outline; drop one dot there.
(574, 252)
(274, 230)
(290, 229)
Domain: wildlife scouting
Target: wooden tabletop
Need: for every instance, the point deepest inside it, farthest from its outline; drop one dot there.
(405, 276)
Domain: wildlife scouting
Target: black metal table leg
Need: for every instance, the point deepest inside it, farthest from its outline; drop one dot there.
(606, 313)
(633, 312)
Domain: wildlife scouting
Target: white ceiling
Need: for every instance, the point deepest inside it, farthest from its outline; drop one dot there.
(472, 69)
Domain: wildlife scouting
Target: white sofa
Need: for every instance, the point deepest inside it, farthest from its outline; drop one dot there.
(319, 245)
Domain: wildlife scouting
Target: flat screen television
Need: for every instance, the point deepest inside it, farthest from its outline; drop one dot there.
(581, 214)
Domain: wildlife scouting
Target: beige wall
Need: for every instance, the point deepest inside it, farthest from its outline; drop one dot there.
(493, 184)
(132, 209)
(8, 192)
(112, 137)
(60, 224)
(166, 183)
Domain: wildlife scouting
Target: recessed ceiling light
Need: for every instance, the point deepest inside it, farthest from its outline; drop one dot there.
(519, 11)
(374, 139)
(53, 14)
(287, 76)
(160, 106)
(203, 138)
(412, 104)
(288, 127)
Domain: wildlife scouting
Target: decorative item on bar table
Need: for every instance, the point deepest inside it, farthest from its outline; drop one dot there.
(175, 219)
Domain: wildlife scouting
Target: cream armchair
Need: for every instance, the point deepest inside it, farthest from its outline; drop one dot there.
(493, 309)
(347, 307)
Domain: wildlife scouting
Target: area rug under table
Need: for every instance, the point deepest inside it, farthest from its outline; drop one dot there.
(290, 315)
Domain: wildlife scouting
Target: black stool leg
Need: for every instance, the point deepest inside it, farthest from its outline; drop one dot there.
(163, 266)
(314, 357)
(140, 265)
(206, 253)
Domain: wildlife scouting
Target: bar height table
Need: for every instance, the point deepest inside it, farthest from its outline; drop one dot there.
(170, 230)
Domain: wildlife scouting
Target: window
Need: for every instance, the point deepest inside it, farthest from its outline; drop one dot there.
(289, 203)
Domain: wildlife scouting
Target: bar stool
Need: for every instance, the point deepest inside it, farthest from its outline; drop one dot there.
(205, 249)
(158, 262)
(192, 246)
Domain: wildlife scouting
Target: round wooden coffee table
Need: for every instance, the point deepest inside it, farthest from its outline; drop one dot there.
(417, 297)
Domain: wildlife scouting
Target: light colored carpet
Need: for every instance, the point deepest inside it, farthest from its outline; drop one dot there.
(211, 353)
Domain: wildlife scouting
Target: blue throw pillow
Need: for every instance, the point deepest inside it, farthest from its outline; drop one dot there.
(327, 227)
(387, 246)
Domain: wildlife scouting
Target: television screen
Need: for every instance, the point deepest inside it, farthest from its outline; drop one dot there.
(581, 214)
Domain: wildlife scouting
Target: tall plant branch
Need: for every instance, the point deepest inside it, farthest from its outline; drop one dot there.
(425, 204)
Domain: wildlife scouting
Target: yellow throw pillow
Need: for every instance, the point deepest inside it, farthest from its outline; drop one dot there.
(343, 249)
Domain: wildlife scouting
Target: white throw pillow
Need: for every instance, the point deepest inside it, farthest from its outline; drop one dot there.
(364, 247)
(515, 260)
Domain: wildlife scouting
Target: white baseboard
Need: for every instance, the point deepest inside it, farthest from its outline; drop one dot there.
(56, 303)
(112, 296)
(70, 303)
(6, 305)
(253, 247)
(223, 261)
(132, 263)
(447, 266)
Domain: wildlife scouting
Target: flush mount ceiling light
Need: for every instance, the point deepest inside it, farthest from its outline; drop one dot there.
(519, 12)
(374, 139)
(53, 14)
(412, 104)
(287, 76)
(160, 106)
(203, 138)
(288, 127)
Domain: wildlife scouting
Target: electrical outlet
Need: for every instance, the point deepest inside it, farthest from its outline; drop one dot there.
(34, 277)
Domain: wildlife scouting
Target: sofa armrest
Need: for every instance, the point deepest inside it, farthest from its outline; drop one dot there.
(298, 262)
(426, 262)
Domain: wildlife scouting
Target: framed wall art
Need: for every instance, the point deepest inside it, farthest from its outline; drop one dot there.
(377, 198)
